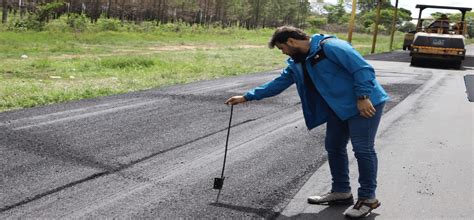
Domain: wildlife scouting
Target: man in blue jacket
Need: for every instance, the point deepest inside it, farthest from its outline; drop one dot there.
(338, 87)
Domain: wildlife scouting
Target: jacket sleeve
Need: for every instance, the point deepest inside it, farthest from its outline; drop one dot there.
(347, 57)
(272, 88)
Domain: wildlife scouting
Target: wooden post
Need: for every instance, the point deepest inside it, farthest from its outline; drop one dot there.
(393, 23)
(376, 28)
(351, 24)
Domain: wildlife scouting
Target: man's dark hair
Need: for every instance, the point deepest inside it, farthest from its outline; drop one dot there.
(282, 34)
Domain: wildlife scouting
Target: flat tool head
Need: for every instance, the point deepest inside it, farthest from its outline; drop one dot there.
(218, 183)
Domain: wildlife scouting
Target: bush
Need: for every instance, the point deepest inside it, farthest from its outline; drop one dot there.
(177, 27)
(37, 20)
(17, 25)
(57, 25)
(77, 22)
(312, 30)
(359, 28)
(48, 10)
(317, 21)
(381, 29)
(30, 23)
(147, 26)
(407, 27)
(109, 24)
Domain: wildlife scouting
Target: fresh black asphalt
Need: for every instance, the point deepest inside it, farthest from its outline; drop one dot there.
(155, 153)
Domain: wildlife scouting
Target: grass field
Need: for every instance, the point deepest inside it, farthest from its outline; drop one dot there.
(64, 65)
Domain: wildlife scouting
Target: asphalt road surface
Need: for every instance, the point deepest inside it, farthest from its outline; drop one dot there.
(155, 153)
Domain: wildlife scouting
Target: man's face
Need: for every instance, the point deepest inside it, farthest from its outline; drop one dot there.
(290, 50)
(286, 49)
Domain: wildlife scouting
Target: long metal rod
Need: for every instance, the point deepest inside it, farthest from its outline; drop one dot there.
(227, 140)
(225, 153)
(218, 195)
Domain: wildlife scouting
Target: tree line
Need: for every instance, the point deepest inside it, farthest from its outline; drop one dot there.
(225, 13)
(242, 13)
(246, 13)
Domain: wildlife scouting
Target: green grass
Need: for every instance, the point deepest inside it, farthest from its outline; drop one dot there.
(470, 41)
(64, 65)
(363, 42)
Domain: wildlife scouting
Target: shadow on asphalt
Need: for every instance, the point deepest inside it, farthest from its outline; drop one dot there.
(264, 213)
(331, 212)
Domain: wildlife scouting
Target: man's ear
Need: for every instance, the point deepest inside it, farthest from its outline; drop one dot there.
(291, 42)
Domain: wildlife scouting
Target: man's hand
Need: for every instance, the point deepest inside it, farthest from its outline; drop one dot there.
(234, 100)
(366, 108)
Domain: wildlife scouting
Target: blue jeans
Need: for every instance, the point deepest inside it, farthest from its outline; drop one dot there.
(362, 133)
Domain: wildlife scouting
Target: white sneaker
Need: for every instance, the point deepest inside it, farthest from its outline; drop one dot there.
(362, 208)
(332, 198)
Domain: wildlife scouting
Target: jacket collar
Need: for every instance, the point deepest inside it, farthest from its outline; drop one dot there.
(315, 46)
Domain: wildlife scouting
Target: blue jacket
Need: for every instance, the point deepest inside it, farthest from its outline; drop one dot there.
(339, 79)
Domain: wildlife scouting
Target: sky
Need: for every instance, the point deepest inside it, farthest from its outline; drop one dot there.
(410, 5)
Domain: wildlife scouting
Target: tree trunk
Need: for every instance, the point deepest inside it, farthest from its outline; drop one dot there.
(217, 11)
(122, 11)
(107, 10)
(160, 12)
(5, 11)
(155, 10)
(20, 8)
(224, 19)
(163, 11)
(98, 9)
(257, 13)
(207, 12)
(73, 6)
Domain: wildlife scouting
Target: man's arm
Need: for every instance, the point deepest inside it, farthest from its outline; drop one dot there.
(343, 54)
(272, 88)
(362, 72)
